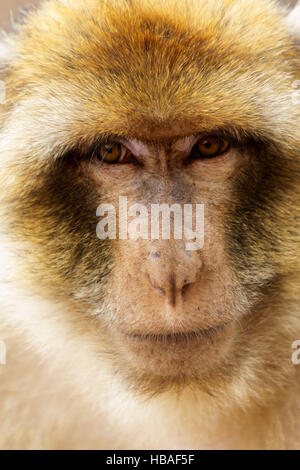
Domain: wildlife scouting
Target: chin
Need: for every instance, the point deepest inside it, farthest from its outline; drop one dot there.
(157, 362)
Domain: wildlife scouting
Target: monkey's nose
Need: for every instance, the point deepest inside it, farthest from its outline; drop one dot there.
(170, 280)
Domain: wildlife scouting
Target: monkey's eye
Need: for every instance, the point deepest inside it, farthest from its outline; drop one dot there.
(114, 153)
(210, 147)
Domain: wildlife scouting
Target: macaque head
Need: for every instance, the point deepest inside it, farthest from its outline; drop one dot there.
(123, 116)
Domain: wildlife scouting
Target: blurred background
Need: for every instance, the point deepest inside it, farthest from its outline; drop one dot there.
(9, 9)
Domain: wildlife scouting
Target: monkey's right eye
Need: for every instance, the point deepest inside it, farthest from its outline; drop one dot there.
(114, 153)
(210, 147)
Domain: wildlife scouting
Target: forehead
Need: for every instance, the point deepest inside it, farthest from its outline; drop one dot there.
(144, 69)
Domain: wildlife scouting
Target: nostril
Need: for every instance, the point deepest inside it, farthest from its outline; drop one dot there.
(160, 289)
(185, 288)
(156, 286)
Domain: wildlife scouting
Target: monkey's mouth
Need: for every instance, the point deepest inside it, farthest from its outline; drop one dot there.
(178, 354)
(180, 337)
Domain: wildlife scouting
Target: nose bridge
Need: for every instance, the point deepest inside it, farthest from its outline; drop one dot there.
(171, 269)
(153, 155)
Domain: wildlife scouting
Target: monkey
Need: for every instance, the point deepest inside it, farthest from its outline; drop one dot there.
(142, 343)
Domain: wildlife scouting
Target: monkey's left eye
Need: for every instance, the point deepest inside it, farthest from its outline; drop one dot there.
(210, 147)
(114, 153)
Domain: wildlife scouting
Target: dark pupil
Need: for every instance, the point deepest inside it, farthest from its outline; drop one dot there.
(109, 149)
(207, 145)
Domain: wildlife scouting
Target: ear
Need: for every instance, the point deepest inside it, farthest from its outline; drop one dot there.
(293, 21)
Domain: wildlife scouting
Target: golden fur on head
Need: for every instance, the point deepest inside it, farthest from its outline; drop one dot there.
(224, 44)
(79, 71)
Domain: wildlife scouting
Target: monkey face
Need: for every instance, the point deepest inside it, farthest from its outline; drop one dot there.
(171, 119)
(173, 304)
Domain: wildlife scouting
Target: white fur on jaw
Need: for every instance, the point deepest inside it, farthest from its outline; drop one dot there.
(293, 20)
(6, 50)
